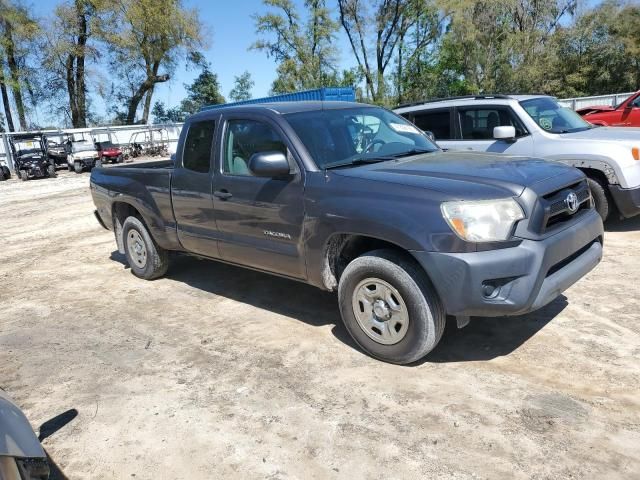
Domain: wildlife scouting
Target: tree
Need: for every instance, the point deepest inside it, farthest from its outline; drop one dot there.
(17, 30)
(205, 90)
(148, 39)
(71, 42)
(381, 25)
(242, 88)
(159, 112)
(304, 52)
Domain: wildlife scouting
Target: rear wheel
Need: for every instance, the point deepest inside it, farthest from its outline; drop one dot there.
(390, 308)
(146, 259)
(600, 197)
(77, 167)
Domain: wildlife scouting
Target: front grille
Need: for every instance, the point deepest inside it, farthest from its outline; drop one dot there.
(557, 211)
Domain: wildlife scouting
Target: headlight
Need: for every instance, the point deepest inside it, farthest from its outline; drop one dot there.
(482, 220)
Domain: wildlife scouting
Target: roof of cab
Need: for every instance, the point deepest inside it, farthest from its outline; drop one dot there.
(283, 108)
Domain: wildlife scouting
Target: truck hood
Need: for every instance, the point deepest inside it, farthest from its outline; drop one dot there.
(462, 174)
(595, 109)
(629, 134)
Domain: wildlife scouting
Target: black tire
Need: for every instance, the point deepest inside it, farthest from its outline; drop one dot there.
(5, 173)
(51, 170)
(601, 198)
(77, 167)
(70, 167)
(24, 176)
(426, 315)
(157, 258)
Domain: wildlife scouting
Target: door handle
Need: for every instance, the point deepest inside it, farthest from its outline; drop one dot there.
(222, 194)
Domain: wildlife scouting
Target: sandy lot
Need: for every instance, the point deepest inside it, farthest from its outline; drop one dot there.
(220, 372)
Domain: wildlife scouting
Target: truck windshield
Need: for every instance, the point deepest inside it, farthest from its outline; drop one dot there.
(348, 136)
(553, 117)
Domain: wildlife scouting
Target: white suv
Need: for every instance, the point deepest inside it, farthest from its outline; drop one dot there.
(537, 126)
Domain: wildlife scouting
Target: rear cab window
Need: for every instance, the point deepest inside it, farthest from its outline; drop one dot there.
(196, 155)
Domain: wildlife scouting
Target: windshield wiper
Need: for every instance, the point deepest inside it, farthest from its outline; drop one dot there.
(408, 153)
(356, 161)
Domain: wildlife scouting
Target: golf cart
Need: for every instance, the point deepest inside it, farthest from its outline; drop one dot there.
(82, 156)
(149, 142)
(30, 156)
(58, 150)
(109, 152)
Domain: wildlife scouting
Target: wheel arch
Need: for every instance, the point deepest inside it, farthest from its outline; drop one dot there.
(341, 248)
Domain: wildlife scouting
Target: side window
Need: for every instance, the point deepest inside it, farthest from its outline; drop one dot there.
(243, 139)
(478, 123)
(437, 122)
(196, 155)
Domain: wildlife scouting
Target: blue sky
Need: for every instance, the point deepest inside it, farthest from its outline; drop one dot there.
(231, 31)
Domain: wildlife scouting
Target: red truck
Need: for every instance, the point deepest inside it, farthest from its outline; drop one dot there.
(626, 114)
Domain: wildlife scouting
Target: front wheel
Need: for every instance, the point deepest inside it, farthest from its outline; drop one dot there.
(146, 259)
(390, 307)
(77, 167)
(600, 198)
(24, 176)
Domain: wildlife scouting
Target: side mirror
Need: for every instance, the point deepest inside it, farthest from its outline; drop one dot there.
(504, 133)
(269, 164)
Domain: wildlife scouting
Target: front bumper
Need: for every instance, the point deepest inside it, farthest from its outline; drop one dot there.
(515, 280)
(626, 199)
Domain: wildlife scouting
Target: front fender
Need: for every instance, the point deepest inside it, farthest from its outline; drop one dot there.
(17, 438)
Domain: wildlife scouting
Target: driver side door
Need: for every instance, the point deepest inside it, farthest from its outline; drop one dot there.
(259, 219)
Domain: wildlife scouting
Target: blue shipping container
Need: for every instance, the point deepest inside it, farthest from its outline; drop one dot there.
(327, 94)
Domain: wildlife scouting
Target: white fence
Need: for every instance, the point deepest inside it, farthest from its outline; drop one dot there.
(581, 102)
(121, 135)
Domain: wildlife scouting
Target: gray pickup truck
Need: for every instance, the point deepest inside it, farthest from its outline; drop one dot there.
(354, 198)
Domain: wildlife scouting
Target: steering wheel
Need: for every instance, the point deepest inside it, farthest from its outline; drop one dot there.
(369, 148)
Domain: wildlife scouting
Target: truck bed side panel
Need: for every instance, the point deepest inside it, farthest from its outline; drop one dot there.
(148, 190)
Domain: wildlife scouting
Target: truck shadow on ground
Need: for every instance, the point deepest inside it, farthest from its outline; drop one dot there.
(50, 427)
(482, 339)
(625, 225)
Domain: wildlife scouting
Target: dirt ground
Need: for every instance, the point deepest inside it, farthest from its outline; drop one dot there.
(220, 372)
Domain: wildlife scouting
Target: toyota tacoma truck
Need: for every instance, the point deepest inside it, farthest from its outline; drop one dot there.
(355, 199)
(536, 125)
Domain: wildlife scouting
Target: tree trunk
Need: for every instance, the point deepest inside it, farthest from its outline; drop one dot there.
(71, 90)
(5, 102)
(139, 94)
(15, 74)
(147, 105)
(81, 89)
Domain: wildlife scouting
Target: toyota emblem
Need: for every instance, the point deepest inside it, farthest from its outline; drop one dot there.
(572, 202)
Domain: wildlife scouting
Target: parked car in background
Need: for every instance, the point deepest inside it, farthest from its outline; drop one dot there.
(30, 156)
(354, 198)
(21, 455)
(625, 114)
(109, 153)
(536, 125)
(83, 156)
